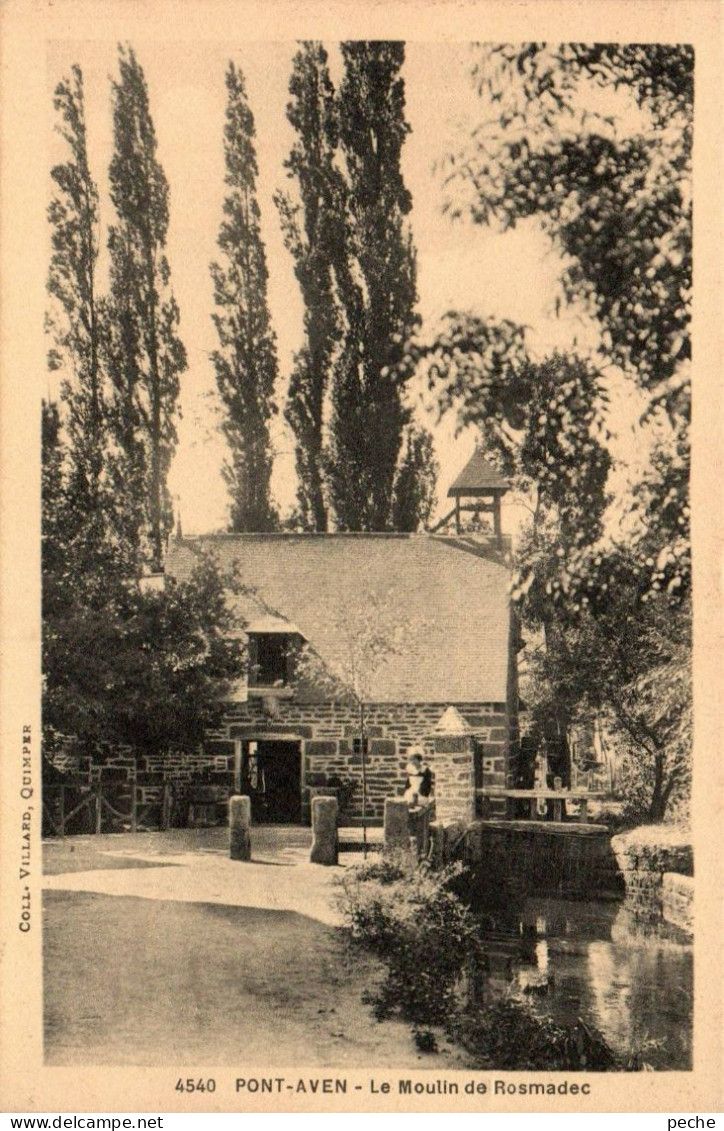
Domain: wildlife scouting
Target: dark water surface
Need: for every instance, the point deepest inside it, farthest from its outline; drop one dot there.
(590, 960)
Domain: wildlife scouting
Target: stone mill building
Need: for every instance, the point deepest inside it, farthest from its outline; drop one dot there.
(446, 683)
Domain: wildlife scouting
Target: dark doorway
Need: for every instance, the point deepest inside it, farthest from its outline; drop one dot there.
(271, 775)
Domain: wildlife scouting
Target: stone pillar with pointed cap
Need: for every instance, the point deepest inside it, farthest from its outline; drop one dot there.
(479, 481)
(454, 766)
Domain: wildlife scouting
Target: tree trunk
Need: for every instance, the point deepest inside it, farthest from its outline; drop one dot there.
(657, 805)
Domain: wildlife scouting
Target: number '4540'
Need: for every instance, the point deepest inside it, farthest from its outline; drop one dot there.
(190, 1085)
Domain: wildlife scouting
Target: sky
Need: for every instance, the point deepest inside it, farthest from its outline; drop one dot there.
(461, 265)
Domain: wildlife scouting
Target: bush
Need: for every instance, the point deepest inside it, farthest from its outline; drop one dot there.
(508, 1034)
(421, 930)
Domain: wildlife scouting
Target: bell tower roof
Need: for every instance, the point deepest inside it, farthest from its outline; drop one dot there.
(478, 477)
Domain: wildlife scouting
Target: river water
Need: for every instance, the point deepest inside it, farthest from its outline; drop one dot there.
(591, 960)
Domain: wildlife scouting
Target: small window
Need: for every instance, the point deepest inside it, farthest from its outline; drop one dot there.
(269, 659)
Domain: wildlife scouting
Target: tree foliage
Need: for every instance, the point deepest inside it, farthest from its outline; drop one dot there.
(121, 665)
(51, 487)
(349, 233)
(314, 233)
(76, 317)
(377, 287)
(616, 649)
(414, 496)
(246, 360)
(141, 669)
(540, 421)
(612, 189)
(144, 354)
(613, 614)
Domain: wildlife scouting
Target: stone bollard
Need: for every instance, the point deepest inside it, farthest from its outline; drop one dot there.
(239, 828)
(324, 830)
(397, 824)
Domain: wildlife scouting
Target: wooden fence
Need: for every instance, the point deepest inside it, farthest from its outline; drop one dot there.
(99, 807)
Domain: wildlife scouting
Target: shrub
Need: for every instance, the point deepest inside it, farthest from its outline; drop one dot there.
(508, 1034)
(421, 930)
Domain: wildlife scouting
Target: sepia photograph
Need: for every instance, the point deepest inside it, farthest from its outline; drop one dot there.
(360, 745)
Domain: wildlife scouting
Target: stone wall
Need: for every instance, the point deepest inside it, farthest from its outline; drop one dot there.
(325, 732)
(454, 761)
(545, 858)
(644, 856)
(677, 900)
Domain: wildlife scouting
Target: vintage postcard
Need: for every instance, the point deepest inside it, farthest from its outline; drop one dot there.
(361, 557)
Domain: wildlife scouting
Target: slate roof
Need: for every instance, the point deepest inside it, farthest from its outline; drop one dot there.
(478, 475)
(449, 596)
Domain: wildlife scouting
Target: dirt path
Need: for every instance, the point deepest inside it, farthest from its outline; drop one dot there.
(160, 950)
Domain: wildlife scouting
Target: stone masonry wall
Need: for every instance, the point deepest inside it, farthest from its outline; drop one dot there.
(677, 900)
(326, 731)
(454, 778)
(644, 856)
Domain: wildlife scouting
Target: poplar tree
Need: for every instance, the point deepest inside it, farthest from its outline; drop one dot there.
(377, 287)
(75, 317)
(145, 354)
(246, 359)
(314, 234)
(349, 235)
(51, 495)
(413, 498)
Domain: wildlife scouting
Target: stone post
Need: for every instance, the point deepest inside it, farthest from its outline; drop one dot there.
(397, 824)
(239, 828)
(454, 767)
(324, 830)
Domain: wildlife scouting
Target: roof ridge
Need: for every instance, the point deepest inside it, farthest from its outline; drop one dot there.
(304, 534)
(322, 535)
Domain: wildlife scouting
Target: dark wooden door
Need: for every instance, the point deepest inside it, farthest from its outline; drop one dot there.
(274, 782)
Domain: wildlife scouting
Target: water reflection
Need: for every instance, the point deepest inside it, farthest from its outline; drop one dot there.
(590, 960)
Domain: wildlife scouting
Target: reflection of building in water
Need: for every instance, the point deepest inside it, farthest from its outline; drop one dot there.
(579, 960)
(642, 989)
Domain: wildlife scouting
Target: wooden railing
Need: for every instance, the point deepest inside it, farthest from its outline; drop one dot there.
(133, 805)
(539, 798)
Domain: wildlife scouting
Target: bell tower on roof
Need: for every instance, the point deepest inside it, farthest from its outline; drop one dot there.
(478, 489)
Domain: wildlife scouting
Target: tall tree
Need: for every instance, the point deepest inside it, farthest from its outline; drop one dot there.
(75, 319)
(314, 233)
(413, 496)
(616, 201)
(246, 360)
(608, 625)
(52, 502)
(144, 669)
(613, 189)
(145, 354)
(376, 284)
